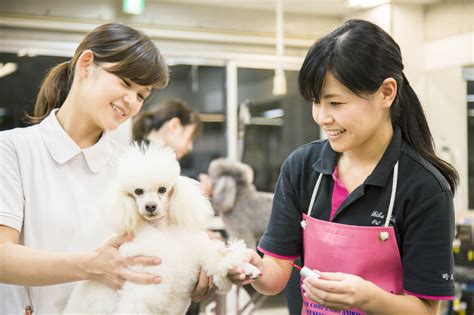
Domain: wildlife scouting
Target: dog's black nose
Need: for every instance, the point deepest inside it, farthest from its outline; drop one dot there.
(150, 207)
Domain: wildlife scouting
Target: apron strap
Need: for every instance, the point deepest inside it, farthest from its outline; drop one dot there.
(392, 195)
(313, 196)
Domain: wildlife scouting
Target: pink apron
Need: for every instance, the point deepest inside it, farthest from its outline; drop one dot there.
(368, 252)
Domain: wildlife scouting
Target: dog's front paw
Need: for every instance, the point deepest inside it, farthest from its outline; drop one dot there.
(251, 271)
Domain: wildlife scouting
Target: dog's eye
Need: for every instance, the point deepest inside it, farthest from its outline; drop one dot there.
(138, 191)
(162, 190)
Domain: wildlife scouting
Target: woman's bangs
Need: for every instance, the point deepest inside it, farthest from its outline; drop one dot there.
(311, 78)
(143, 69)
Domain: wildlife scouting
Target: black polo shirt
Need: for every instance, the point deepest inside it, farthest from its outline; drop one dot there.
(423, 214)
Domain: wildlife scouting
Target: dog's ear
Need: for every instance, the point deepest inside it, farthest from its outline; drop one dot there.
(129, 214)
(224, 194)
(188, 206)
(122, 213)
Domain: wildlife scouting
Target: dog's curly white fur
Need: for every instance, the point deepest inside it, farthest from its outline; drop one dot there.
(168, 215)
(244, 210)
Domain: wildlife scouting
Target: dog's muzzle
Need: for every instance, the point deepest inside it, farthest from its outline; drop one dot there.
(150, 207)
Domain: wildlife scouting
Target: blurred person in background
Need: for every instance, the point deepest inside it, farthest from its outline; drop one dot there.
(173, 123)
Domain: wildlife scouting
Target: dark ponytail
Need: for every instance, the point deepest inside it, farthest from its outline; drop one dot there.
(142, 126)
(361, 56)
(53, 92)
(408, 113)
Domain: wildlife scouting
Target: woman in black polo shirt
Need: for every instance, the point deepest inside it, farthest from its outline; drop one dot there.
(371, 207)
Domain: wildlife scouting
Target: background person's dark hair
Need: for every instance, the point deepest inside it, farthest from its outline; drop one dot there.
(361, 56)
(154, 119)
(136, 57)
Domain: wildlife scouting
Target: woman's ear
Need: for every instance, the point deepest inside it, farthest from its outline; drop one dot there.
(174, 124)
(388, 90)
(84, 62)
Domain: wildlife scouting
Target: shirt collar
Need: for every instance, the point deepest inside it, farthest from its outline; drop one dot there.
(327, 160)
(379, 176)
(62, 148)
(383, 170)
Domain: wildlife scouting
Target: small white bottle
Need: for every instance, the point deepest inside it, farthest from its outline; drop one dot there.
(306, 272)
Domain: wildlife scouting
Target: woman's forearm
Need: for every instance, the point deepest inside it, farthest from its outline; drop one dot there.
(381, 302)
(275, 276)
(22, 265)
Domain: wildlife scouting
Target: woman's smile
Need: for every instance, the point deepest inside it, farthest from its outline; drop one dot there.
(119, 112)
(334, 134)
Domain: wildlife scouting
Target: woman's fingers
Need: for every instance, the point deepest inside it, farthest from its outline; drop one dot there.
(336, 290)
(201, 286)
(236, 274)
(143, 261)
(211, 289)
(335, 286)
(139, 277)
(117, 241)
(204, 288)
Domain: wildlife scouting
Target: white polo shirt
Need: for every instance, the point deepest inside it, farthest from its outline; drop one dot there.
(50, 192)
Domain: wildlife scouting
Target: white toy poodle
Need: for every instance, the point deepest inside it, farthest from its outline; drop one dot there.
(168, 215)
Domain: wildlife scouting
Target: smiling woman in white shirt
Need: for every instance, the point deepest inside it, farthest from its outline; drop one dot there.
(52, 174)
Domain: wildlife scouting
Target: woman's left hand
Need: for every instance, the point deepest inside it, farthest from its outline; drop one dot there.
(204, 289)
(338, 291)
(239, 276)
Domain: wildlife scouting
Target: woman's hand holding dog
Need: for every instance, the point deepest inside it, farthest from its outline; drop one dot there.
(204, 289)
(107, 265)
(239, 276)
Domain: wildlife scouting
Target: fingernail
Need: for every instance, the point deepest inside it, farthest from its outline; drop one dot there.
(157, 280)
(157, 261)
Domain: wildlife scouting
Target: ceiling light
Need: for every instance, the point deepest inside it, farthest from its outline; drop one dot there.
(279, 80)
(133, 6)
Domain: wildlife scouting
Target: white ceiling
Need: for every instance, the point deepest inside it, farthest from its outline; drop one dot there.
(322, 7)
